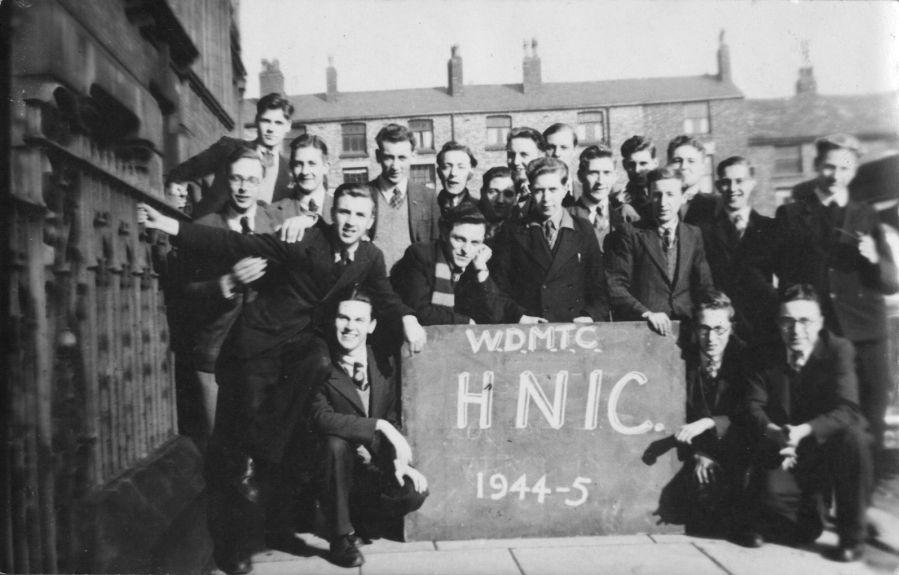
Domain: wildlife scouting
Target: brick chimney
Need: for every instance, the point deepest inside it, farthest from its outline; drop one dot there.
(532, 76)
(331, 79)
(454, 73)
(723, 59)
(270, 78)
(806, 84)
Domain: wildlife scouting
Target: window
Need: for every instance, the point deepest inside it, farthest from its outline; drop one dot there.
(787, 160)
(707, 183)
(696, 118)
(498, 128)
(591, 127)
(423, 132)
(425, 175)
(355, 175)
(354, 140)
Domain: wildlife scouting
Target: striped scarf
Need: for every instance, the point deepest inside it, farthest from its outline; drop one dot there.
(443, 294)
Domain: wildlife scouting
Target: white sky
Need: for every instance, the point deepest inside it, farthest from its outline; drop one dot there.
(384, 44)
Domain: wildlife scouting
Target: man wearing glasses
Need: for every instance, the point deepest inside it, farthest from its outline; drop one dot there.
(811, 437)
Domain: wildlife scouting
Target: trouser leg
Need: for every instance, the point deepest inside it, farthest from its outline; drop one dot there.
(874, 383)
(849, 464)
(338, 460)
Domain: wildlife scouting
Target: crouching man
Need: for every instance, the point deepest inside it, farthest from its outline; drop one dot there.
(366, 470)
(812, 436)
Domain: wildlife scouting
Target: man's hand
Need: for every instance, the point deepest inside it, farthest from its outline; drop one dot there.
(419, 481)
(152, 219)
(705, 468)
(400, 446)
(868, 249)
(687, 432)
(582, 319)
(482, 257)
(530, 319)
(363, 454)
(248, 270)
(659, 322)
(777, 434)
(789, 458)
(796, 433)
(293, 229)
(415, 335)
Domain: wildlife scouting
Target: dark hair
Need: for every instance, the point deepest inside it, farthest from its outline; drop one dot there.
(800, 292)
(528, 134)
(356, 293)
(684, 140)
(353, 190)
(274, 101)
(453, 146)
(244, 153)
(394, 133)
(592, 153)
(542, 166)
(308, 141)
(493, 173)
(558, 127)
(735, 161)
(669, 172)
(714, 300)
(464, 213)
(636, 144)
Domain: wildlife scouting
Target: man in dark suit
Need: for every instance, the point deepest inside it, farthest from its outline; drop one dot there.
(714, 450)
(811, 437)
(549, 264)
(638, 158)
(656, 269)
(740, 246)
(366, 474)
(498, 198)
(407, 212)
(447, 281)
(597, 175)
(273, 113)
(838, 246)
(523, 146)
(277, 356)
(688, 154)
(455, 166)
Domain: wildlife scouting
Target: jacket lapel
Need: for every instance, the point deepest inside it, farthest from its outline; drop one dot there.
(653, 247)
(532, 245)
(342, 383)
(566, 248)
(415, 204)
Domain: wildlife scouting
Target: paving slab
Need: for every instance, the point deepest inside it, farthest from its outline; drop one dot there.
(644, 558)
(526, 542)
(461, 562)
(778, 560)
(301, 566)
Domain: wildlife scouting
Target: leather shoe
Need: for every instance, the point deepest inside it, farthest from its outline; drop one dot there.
(749, 538)
(237, 567)
(344, 551)
(849, 553)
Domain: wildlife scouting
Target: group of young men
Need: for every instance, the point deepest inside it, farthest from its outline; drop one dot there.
(279, 283)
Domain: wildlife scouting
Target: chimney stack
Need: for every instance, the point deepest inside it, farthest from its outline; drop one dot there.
(532, 76)
(270, 78)
(806, 84)
(723, 59)
(331, 79)
(454, 73)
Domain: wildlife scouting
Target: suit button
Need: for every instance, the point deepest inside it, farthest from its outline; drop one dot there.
(833, 296)
(544, 286)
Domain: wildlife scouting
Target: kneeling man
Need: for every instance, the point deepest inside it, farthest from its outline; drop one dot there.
(366, 473)
(812, 436)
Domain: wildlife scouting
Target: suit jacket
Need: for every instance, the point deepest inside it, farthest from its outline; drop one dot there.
(824, 393)
(286, 208)
(637, 273)
(424, 213)
(813, 251)
(581, 210)
(212, 314)
(413, 278)
(443, 200)
(336, 408)
(559, 284)
(213, 161)
(743, 268)
(720, 400)
(701, 209)
(311, 285)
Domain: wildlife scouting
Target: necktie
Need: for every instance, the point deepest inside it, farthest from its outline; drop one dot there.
(797, 360)
(599, 220)
(344, 257)
(268, 158)
(549, 230)
(667, 240)
(740, 225)
(245, 225)
(313, 206)
(670, 253)
(396, 199)
(711, 369)
(356, 371)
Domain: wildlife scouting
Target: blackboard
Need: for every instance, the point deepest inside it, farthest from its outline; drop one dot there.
(541, 430)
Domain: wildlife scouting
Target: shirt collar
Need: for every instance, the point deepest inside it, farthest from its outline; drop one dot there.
(358, 355)
(841, 197)
(744, 213)
(350, 251)
(386, 188)
(564, 221)
(232, 217)
(669, 225)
